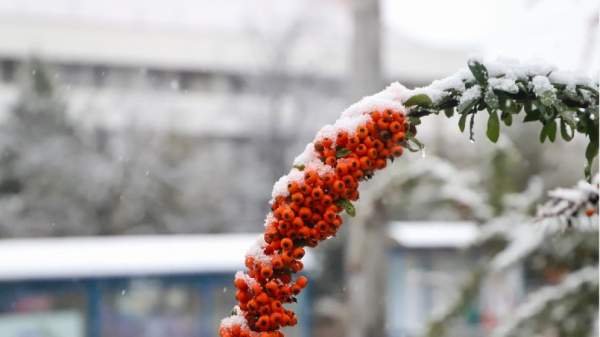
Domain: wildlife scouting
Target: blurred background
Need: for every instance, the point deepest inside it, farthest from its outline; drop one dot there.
(139, 141)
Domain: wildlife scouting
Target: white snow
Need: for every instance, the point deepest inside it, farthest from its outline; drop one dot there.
(433, 234)
(309, 158)
(539, 300)
(257, 252)
(81, 257)
(249, 280)
(570, 79)
(504, 84)
(280, 188)
(269, 219)
(470, 94)
(524, 239)
(541, 85)
(567, 205)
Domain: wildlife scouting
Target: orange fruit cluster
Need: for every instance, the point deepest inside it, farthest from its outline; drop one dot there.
(308, 214)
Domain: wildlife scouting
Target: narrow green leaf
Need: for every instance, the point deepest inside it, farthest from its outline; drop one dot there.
(449, 112)
(543, 135)
(549, 130)
(342, 152)
(420, 100)
(507, 118)
(493, 126)
(479, 71)
(591, 151)
(347, 206)
(462, 121)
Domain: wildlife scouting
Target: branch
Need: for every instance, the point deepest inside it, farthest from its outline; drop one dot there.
(560, 101)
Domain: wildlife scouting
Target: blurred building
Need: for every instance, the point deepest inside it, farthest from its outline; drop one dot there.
(124, 286)
(240, 85)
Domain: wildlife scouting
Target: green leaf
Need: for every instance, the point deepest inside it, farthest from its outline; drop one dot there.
(342, 152)
(420, 100)
(591, 151)
(449, 112)
(479, 71)
(493, 126)
(507, 118)
(564, 132)
(299, 167)
(415, 141)
(543, 135)
(528, 107)
(532, 116)
(549, 131)
(414, 120)
(347, 206)
(462, 121)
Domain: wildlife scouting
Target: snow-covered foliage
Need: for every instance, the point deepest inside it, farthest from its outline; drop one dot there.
(547, 302)
(504, 75)
(575, 207)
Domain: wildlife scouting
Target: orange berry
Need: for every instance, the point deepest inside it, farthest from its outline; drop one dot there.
(305, 213)
(395, 127)
(298, 253)
(342, 138)
(341, 169)
(263, 323)
(297, 222)
(361, 149)
(297, 197)
(362, 132)
(266, 271)
(302, 281)
(365, 163)
(240, 284)
(590, 211)
(287, 243)
(399, 137)
(330, 161)
(397, 151)
(276, 262)
(317, 193)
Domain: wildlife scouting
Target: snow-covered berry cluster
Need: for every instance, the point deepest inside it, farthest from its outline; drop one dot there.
(306, 208)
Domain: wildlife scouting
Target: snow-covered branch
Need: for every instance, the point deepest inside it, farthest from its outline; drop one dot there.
(546, 297)
(575, 207)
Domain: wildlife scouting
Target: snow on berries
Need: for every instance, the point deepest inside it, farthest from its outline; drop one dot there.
(305, 210)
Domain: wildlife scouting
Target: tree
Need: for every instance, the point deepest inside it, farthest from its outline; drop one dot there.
(324, 178)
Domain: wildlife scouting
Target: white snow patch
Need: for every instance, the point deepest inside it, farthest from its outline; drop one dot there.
(541, 85)
(470, 94)
(257, 251)
(269, 219)
(504, 84)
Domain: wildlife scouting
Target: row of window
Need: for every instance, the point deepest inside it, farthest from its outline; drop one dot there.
(101, 76)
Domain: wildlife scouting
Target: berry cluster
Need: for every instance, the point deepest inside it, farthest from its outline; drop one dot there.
(307, 213)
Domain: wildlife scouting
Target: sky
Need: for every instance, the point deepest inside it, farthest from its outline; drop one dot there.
(560, 31)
